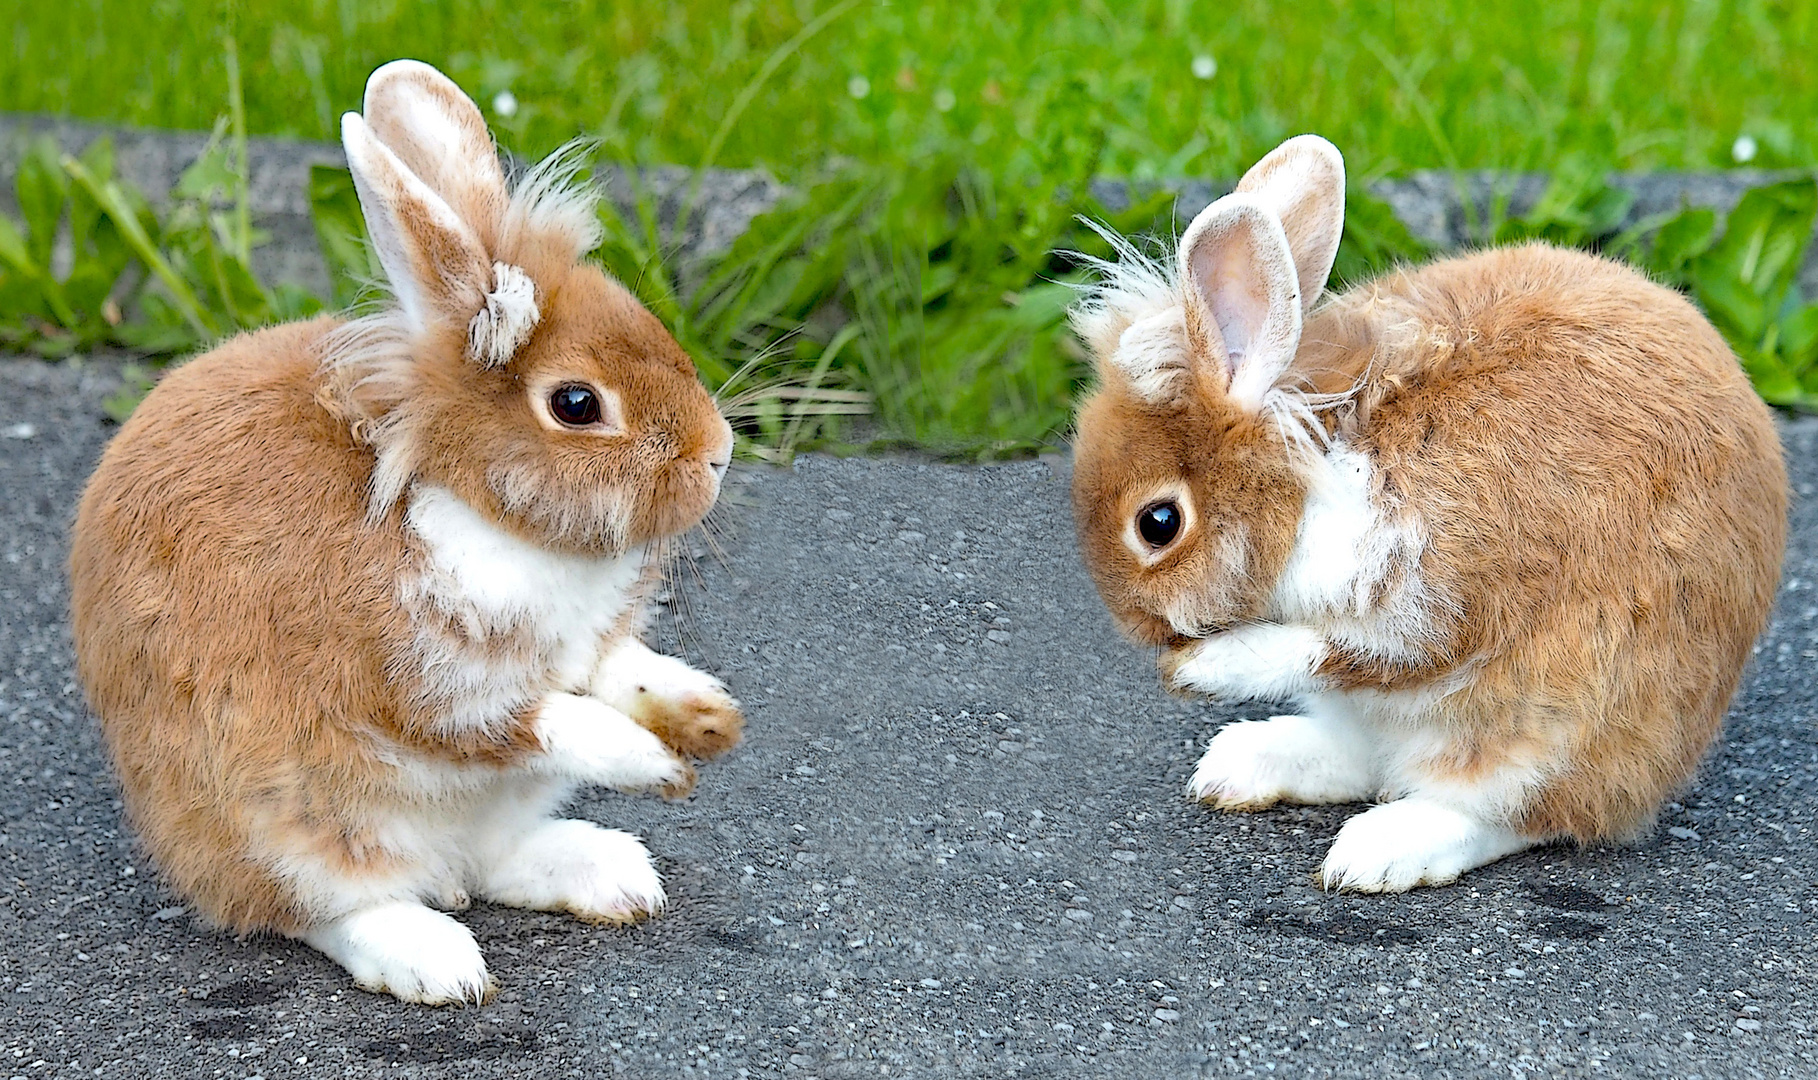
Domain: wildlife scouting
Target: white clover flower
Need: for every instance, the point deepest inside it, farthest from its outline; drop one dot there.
(1743, 150)
(944, 101)
(505, 104)
(859, 87)
(1204, 67)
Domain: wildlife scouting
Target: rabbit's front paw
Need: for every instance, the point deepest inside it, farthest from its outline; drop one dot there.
(652, 766)
(1396, 846)
(406, 950)
(689, 710)
(600, 875)
(1252, 764)
(591, 741)
(1257, 662)
(699, 725)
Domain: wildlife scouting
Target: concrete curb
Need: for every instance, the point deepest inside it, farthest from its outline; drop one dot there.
(153, 160)
(1439, 206)
(1432, 203)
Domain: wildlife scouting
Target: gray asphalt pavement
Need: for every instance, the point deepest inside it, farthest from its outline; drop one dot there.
(953, 844)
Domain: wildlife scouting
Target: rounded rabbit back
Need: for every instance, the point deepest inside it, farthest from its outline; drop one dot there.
(1460, 518)
(357, 600)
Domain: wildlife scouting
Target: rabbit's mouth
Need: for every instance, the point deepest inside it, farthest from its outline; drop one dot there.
(1199, 634)
(1182, 648)
(1172, 657)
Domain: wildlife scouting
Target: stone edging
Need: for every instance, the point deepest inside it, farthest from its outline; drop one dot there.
(1431, 203)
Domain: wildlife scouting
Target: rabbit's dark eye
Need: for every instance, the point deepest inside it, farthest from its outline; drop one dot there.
(1158, 524)
(575, 405)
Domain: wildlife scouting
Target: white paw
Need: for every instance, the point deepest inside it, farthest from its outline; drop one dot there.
(451, 898)
(1399, 845)
(1251, 764)
(601, 875)
(406, 950)
(1257, 662)
(630, 667)
(589, 740)
(690, 710)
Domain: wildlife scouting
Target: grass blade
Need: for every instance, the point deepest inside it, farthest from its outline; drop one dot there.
(110, 199)
(236, 104)
(748, 93)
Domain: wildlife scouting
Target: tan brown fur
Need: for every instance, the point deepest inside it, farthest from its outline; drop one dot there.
(1233, 463)
(238, 437)
(466, 424)
(240, 590)
(1604, 491)
(195, 638)
(1615, 504)
(700, 728)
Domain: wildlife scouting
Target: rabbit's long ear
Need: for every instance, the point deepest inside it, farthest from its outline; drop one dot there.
(437, 267)
(438, 133)
(1302, 182)
(1243, 299)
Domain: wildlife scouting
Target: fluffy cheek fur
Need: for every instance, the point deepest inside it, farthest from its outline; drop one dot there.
(1240, 528)
(433, 417)
(602, 504)
(683, 494)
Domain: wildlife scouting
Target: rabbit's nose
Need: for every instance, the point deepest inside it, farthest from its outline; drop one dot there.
(720, 457)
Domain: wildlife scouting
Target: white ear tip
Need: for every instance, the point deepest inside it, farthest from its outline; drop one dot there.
(359, 143)
(1239, 210)
(403, 73)
(400, 69)
(1315, 143)
(502, 327)
(1315, 146)
(1226, 214)
(402, 66)
(367, 157)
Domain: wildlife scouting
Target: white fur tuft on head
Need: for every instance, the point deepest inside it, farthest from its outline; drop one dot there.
(1133, 287)
(454, 237)
(502, 327)
(1153, 352)
(1249, 269)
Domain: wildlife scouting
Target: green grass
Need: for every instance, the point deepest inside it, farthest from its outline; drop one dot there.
(1402, 85)
(940, 151)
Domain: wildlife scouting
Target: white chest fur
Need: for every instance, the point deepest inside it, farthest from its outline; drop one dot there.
(1355, 567)
(489, 583)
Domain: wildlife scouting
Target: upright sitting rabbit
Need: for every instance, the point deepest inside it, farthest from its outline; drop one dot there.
(1503, 529)
(357, 602)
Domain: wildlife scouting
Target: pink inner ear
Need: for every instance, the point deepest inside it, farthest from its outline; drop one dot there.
(1302, 182)
(1239, 271)
(1208, 342)
(1237, 298)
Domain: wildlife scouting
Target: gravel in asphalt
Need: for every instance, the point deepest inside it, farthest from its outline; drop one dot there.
(954, 843)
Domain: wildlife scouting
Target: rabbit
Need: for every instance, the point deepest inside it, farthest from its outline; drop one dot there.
(357, 602)
(1501, 530)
